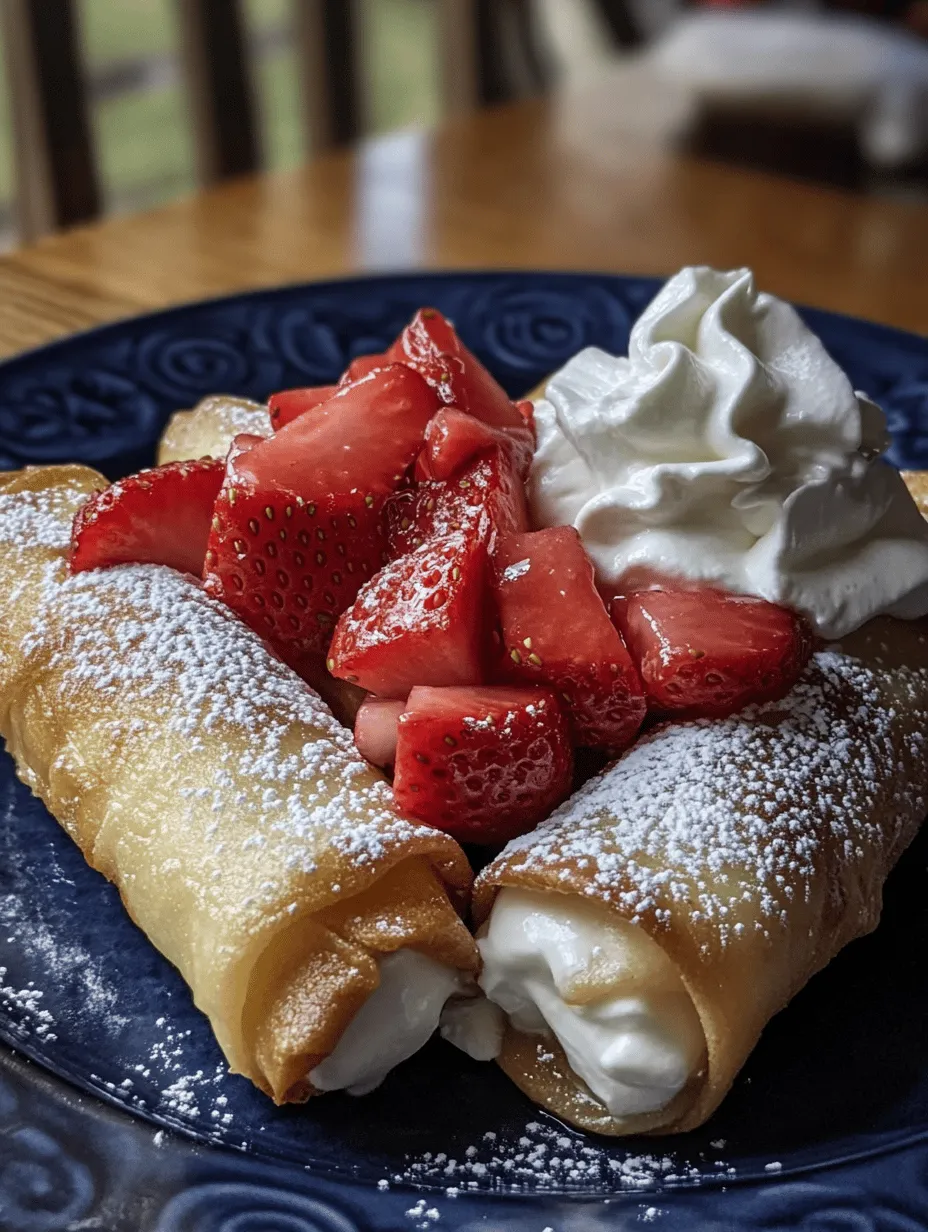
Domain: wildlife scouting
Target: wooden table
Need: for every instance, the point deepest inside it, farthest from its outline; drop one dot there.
(571, 182)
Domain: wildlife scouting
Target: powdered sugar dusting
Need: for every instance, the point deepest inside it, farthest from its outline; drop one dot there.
(40, 519)
(193, 669)
(729, 819)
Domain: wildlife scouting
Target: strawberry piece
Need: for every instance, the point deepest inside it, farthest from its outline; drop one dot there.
(288, 566)
(488, 492)
(363, 439)
(556, 631)
(160, 516)
(482, 764)
(453, 438)
(289, 404)
(375, 729)
(421, 620)
(708, 653)
(297, 526)
(430, 345)
(363, 365)
(526, 409)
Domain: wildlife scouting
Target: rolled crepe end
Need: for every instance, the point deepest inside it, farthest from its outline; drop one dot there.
(538, 1066)
(314, 975)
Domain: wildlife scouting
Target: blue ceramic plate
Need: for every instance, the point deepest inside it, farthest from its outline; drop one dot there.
(827, 1127)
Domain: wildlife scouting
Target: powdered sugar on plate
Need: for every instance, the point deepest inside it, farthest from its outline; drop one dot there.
(545, 1157)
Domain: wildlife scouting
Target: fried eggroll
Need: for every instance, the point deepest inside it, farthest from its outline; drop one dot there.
(208, 430)
(640, 939)
(316, 928)
(917, 483)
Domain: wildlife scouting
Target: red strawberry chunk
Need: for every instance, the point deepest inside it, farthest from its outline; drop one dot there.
(363, 365)
(556, 631)
(160, 516)
(375, 729)
(710, 653)
(289, 404)
(453, 438)
(482, 764)
(421, 620)
(288, 566)
(488, 491)
(526, 409)
(430, 345)
(362, 439)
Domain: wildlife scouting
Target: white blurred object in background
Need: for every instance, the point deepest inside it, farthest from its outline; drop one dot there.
(799, 62)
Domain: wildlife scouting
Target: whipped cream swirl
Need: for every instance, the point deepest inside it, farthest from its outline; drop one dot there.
(730, 449)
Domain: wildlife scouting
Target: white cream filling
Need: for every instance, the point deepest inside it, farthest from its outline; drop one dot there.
(394, 1022)
(637, 1046)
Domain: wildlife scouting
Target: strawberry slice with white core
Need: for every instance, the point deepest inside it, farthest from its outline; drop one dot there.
(556, 631)
(482, 764)
(430, 345)
(289, 404)
(362, 439)
(488, 491)
(424, 619)
(160, 516)
(453, 438)
(708, 653)
(375, 729)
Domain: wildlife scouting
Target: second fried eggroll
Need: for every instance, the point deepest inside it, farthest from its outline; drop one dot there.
(640, 939)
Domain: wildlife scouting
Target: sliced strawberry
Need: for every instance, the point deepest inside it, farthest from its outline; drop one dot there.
(375, 729)
(363, 365)
(422, 620)
(710, 653)
(482, 764)
(556, 631)
(240, 444)
(289, 404)
(453, 438)
(526, 409)
(288, 566)
(489, 491)
(159, 517)
(362, 439)
(430, 345)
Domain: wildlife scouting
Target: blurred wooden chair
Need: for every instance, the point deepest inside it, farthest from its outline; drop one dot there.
(490, 51)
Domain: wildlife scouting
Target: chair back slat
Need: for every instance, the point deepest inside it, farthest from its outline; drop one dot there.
(220, 88)
(328, 48)
(56, 175)
(491, 52)
(619, 20)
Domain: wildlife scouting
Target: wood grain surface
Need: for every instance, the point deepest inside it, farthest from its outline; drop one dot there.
(572, 182)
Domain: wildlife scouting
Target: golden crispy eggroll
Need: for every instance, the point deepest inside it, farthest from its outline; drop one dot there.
(246, 836)
(716, 867)
(917, 483)
(207, 431)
